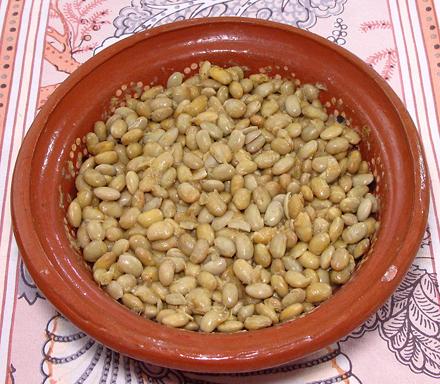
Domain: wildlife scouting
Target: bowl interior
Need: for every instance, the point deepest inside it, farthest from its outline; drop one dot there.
(151, 57)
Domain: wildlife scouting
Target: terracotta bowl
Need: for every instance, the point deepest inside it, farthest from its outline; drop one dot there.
(43, 185)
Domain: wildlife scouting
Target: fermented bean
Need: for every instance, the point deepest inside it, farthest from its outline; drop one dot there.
(244, 247)
(207, 280)
(292, 311)
(327, 256)
(266, 310)
(114, 289)
(245, 167)
(362, 179)
(320, 188)
(243, 270)
(215, 205)
(132, 302)
(293, 106)
(199, 301)
(277, 246)
(130, 264)
(166, 272)
(261, 198)
(274, 213)
(205, 231)
(229, 295)
(331, 132)
(264, 90)
(74, 214)
(349, 204)
(192, 161)
(225, 246)
(200, 251)
(212, 319)
(314, 113)
(262, 255)
(308, 150)
(296, 295)
(298, 250)
(236, 140)
(176, 320)
(283, 165)
(253, 217)
(296, 279)
(230, 326)
(235, 108)
(255, 322)
(95, 230)
(246, 311)
(364, 209)
(242, 198)
(318, 292)
(107, 193)
(340, 259)
(215, 266)
(279, 285)
(220, 75)
(223, 172)
(355, 233)
(361, 248)
(188, 193)
(259, 290)
(309, 260)
(160, 230)
(359, 191)
(94, 178)
(94, 250)
(319, 243)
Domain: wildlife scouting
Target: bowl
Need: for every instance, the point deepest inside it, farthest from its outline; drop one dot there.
(43, 185)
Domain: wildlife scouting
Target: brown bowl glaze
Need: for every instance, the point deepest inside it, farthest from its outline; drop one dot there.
(43, 185)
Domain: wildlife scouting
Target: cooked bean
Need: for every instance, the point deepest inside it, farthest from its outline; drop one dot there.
(257, 322)
(259, 290)
(292, 311)
(217, 181)
(318, 292)
(225, 246)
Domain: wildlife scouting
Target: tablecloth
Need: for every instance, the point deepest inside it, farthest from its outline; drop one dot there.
(43, 41)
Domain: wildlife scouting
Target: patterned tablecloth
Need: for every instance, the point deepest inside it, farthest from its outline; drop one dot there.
(43, 41)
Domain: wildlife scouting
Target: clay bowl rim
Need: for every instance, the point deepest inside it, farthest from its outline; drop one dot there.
(186, 351)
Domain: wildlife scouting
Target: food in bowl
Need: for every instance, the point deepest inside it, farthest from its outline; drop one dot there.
(223, 202)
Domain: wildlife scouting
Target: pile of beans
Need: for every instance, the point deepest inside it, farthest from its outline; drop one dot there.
(223, 202)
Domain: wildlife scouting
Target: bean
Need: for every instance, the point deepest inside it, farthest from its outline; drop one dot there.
(160, 230)
(166, 272)
(244, 247)
(229, 295)
(340, 259)
(257, 322)
(274, 213)
(176, 320)
(230, 326)
(364, 209)
(188, 193)
(277, 246)
(212, 319)
(132, 302)
(293, 106)
(225, 246)
(355, 233)
(74, 214)
(296, 279)
(292, 311)
(259, 290)
(318, 292)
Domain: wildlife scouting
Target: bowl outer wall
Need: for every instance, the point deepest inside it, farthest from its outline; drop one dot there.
(67, 289)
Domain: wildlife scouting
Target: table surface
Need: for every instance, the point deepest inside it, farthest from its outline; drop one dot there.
(43, 41)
